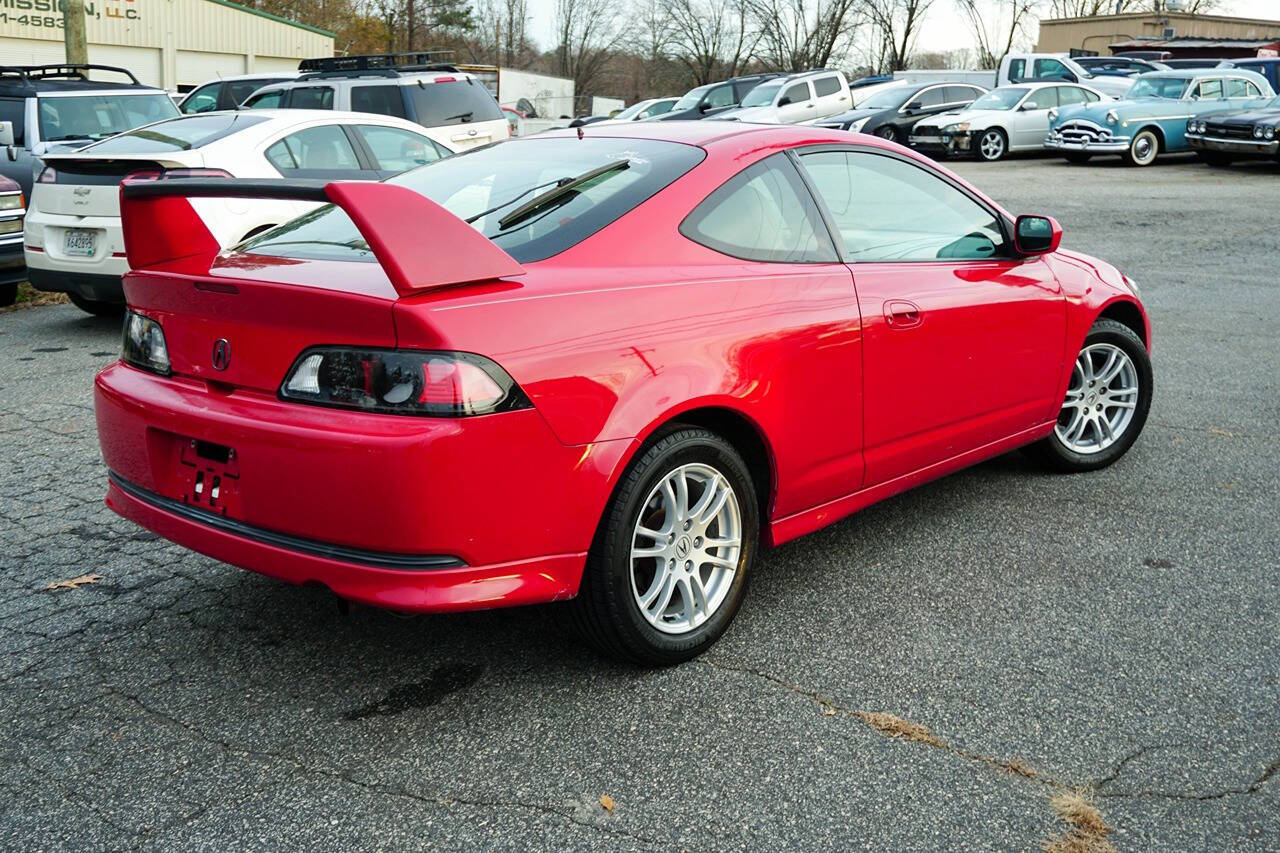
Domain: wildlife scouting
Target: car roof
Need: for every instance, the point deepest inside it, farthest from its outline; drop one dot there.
(281, 76)
(321, 78)
(20, 88)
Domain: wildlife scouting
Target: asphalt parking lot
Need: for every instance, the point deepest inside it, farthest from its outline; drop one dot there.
(1118, 631)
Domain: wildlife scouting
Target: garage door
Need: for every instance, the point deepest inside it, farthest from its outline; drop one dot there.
(274, 63)
(144, 62)
(198, 66)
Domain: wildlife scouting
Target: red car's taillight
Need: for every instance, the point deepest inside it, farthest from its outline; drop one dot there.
(402, 382)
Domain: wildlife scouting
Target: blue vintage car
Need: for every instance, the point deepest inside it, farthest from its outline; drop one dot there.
(1152, 118)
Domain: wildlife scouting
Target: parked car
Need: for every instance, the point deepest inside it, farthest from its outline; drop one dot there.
(46, 108)
(869, 87)
(894, 112)
(228, 93)
(1117, 66)
(606, 369)
(1194, 62)
(796, 99)
(12, 267)
(74, 240)
(1153, 119)
(639, 111)
(454, 106)
(1054, 67)
(1004, 120)
(714, 98)
(1268, 67)
(1220, 138)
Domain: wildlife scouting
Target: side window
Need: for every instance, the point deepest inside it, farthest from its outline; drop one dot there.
(324, 149)
(1209, 90)
(266, 101)
(398, 150)
(960, 95)
(202, 100)
(14, 110)
(823, 86)
(890, 210)
(238, 90)
(1090, 97)
(721, 96)
(934, 97)
(1017, 68)
(1042, 98)
(382, 100)
(763, 213)
(797, 94)
(1237, 88)
(311, 98)
(1049, 69)
(1070, 95)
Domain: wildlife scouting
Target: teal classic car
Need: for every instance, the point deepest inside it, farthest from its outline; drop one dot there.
(1152, 118)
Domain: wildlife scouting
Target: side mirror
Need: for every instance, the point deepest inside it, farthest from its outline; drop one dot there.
(784, 101)
(6, 133)
(1029, 106)
(1036, 235)
(703, 107)
(915, 105)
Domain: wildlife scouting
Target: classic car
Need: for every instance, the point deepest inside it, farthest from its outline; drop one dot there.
(1152, 119)
(1224, 137)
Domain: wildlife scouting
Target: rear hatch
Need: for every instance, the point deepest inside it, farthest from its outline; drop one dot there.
(90, 186)
(265, 311)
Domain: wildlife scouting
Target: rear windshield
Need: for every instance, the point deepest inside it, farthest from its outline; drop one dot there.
(459, 101)
(100, 116)
(499, 178)
(180, 134)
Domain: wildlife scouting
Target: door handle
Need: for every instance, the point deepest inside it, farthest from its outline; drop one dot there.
(901, 314)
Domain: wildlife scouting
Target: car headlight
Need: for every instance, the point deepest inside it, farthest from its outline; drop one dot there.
(1053, 114)
(1191, 126)
(144, 344)
(11, 226)
(856, 126)
(12, 202)
(1113, 117)
(402, 382)
(1257, 132)
(1269, 133)
(958, 127)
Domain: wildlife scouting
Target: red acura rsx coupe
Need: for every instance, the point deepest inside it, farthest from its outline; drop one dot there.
(603, 366)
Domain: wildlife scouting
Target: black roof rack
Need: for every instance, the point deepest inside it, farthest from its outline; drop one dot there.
(377, 64)
(31, 74)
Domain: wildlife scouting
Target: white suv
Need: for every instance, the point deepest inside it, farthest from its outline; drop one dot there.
(453, 106)
(1057, 68)
(798, 99)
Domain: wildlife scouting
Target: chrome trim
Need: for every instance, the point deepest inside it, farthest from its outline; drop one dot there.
(1244, 146)
(1114, 145)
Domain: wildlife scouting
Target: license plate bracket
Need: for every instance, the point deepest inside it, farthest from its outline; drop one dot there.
(209, 476)
(80, 242)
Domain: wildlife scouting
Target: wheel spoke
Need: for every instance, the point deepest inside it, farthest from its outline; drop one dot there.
(1086, 367)
(1123, 404)
(1110, 368)
(1105, 431)
(1123, 392)
(1076, 429)
(655, 535)
(640, 553)
(711, 512)
(708, 495)
(664, 585)
(721, 543)
(721, 562)
(692, 604)
(672, 504)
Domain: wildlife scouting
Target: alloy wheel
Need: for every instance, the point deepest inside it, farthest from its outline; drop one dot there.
(992, 145)
(1100, 400)
(685, 548)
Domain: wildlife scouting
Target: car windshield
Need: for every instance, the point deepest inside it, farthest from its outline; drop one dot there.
(889, 99)
(762, 95)
(1172, 88)
(488, 183)
(99, 116)
(1000, 99)
(691, 98)
(180, 134)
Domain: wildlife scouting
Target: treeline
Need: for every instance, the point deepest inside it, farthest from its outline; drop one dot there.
(644, 48)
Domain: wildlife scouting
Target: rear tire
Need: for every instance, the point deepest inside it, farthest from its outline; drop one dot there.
(8, 295)
(1107, 411)
(610, 611)
(993, 145)
(96, 307)
(1144, 149)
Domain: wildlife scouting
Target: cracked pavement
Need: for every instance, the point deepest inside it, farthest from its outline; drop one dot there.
(1118, 631)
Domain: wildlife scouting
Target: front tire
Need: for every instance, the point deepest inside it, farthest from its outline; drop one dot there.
(993, 145)
(8, 295)
(1106, 404)
(669, 567)
(887, 132)
(96, 307)
(1144, 149)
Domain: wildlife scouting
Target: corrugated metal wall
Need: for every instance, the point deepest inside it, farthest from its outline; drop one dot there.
(191, 38)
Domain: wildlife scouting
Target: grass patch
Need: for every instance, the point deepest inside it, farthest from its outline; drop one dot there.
(29, 297)
(1089, 830)
(894, 726)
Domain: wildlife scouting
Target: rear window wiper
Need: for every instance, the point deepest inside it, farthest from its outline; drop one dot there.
(540, 201)
(471, 219)
(463, 117)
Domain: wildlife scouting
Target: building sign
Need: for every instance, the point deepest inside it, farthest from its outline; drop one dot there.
(47, 14)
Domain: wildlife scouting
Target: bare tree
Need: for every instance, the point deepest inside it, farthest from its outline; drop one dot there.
(896, 24)
(502, 32)
(799, 34)
(995, 24)
(713, 39)
(1087, 8)
(587, 33)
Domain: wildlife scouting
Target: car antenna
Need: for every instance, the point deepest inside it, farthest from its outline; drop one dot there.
(579, 131)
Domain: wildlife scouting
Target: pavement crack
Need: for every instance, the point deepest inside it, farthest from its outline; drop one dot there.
(1268, 773)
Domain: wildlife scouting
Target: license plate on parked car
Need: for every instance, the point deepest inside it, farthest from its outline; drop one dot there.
(80, 242)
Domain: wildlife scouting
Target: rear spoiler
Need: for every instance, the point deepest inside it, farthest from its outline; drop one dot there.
(419, 244)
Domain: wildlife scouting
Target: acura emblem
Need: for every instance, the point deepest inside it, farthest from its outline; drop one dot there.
(221, 354)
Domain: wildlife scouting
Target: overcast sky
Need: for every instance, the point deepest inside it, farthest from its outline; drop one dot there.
(940, 27)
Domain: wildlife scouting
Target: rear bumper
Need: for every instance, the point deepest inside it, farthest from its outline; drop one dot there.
(95, 277)
(401, 512)
(1251, 147)
(99, 288)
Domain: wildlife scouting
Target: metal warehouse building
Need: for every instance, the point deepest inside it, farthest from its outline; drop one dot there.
(169, 43)
(1101, 32)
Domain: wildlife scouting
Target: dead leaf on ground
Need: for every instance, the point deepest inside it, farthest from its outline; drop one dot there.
(607, 802)
(1220, 431)
(75, 583)
(828, 710)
